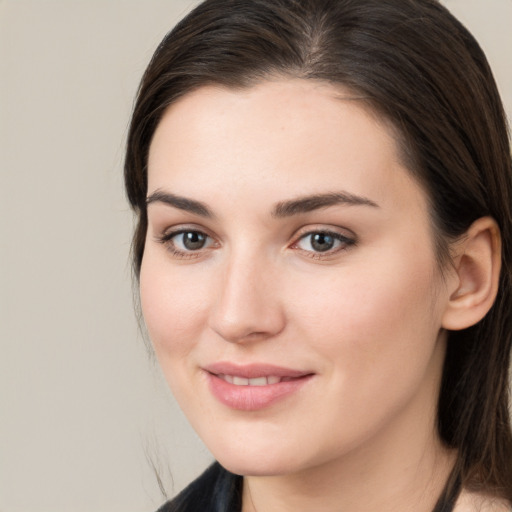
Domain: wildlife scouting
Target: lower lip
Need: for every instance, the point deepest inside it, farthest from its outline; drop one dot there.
(253, 398)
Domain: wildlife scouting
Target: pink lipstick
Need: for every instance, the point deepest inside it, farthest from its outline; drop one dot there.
(255, 386)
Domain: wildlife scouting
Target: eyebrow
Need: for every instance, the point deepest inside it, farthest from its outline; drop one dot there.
(182, 203)
(282, 209)
(317, 201)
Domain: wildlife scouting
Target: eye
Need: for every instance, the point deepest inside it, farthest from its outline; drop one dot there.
(186, 242)
(323, 242)
(189, 240)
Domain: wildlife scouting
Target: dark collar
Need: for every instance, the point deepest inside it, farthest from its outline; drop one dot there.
(216, 490)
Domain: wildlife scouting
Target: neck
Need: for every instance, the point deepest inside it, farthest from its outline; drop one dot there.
(357, 487)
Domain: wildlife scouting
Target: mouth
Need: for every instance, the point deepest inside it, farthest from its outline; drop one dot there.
(255, 381)
(253, 387)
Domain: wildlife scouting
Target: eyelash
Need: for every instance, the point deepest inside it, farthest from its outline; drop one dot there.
(167, 240)
(344, 243)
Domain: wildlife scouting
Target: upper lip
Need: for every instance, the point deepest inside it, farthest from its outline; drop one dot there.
(254, 370)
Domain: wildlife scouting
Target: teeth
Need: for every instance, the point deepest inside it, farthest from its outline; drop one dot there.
(257, 381)
(260, 381)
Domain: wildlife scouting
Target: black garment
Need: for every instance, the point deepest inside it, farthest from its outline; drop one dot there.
(218, 490)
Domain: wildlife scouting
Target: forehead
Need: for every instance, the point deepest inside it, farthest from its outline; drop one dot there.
(296, 134)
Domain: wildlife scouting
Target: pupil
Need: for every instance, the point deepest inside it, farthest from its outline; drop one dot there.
(193, 240)
(322, 242)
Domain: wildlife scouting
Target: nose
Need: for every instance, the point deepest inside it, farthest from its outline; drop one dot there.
(249, 305)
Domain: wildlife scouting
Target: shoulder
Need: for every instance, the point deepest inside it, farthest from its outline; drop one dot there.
(478, 502)
(216, 490)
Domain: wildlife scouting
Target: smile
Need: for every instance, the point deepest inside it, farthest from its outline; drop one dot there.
(253, 387)
(256, 381)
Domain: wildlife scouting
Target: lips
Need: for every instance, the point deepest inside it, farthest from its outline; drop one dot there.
(253, 387)
(256, 381)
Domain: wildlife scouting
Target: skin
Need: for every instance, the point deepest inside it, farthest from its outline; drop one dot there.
(365, 318)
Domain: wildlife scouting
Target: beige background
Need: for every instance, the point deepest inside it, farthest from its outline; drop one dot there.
(81, 403)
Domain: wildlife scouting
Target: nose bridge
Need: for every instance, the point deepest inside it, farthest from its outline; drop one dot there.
(249, 303)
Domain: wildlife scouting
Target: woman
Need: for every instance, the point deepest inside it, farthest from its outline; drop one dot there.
(323, 191)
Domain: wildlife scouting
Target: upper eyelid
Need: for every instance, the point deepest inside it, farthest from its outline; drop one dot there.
(326, 228)
(184, 228)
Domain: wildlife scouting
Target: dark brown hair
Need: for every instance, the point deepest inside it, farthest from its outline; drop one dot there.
(420, 69)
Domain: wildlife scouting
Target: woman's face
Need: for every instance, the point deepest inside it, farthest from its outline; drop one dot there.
(289, 282)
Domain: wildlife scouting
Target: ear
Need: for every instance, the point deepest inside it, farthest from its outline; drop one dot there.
(477, 265)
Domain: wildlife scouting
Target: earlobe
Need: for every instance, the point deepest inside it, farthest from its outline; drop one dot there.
(477, 269)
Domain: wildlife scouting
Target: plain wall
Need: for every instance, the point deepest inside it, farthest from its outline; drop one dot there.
(82, 404)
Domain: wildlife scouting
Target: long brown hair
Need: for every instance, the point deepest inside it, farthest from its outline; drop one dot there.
(418, 67)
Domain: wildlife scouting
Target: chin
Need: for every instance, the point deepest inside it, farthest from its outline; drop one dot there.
(258, 461)
(252, 467)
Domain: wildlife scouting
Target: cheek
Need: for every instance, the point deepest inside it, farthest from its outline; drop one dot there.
(372, 310)
(172, 305)
(376, 330)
